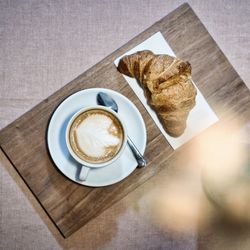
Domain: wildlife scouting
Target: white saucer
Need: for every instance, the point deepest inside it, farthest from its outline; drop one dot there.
(112, 173)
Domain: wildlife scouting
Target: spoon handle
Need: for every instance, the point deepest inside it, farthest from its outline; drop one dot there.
(138, 156)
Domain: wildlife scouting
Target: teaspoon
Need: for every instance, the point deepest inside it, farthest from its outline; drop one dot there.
(105, 100)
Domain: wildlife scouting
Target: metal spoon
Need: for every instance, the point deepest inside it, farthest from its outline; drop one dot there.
(105, 100)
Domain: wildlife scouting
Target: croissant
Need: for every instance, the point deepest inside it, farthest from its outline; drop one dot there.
(167, 85)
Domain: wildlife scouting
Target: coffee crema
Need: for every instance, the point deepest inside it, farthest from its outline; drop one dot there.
(96, 136)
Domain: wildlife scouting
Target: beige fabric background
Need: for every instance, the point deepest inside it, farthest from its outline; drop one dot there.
(44, 45)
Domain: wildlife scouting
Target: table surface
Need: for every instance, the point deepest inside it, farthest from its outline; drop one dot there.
(33, 38)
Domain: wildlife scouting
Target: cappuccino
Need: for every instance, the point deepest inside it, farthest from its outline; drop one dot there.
(96, 136)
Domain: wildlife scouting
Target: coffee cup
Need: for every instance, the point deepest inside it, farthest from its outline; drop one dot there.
(96, 137)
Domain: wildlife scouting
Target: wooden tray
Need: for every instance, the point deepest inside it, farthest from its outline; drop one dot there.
(70, 205)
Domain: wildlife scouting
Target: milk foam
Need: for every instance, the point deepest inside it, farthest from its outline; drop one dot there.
(94, 135)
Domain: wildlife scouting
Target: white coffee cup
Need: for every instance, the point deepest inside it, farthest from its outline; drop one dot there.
(96, 137)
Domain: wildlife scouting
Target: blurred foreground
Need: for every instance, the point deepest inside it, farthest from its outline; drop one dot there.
(209, 190)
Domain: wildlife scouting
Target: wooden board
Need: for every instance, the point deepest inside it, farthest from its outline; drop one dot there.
(69, 205)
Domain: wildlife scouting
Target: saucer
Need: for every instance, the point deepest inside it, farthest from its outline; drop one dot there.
(112, 173)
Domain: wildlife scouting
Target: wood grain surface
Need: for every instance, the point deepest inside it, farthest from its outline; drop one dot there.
(69, 205)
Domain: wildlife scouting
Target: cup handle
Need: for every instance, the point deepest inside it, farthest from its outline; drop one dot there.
(84, 173)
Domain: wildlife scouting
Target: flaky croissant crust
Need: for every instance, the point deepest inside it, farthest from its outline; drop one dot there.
(167, 84)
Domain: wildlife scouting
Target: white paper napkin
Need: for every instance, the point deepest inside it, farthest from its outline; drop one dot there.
(200, 117)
